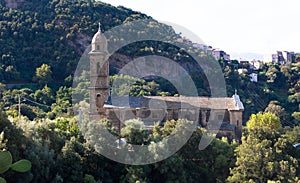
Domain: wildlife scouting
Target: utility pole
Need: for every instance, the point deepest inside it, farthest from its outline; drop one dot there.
(119, 130)
(80, 116)
(19, 112)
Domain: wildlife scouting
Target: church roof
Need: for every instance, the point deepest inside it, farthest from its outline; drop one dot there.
(182, 102)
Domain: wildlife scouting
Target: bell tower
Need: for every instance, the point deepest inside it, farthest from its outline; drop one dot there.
(99, 76)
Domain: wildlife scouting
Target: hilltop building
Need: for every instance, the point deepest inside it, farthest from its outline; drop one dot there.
(220, 54)
(255, 64)
(253, 77)
(281, 57)
(228, 110)
(243, 61)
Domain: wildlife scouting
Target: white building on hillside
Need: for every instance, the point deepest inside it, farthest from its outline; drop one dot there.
(253, 77)
(255, 64)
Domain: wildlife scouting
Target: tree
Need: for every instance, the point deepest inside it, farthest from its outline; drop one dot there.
(264, 155)
(71, 165)
(276, 109)
(190, 164)
(67, 127)
(28, 111)
(137, 174)
(209, 165)
(272, 74)
(134, 132)
(44, 96)
(297, 86)
(43, 74)
(11, 73)
(63, 101)
(2, 88)
(264, 120)
(297, 57)
(295, 98)
(296, 116)
(170, 170)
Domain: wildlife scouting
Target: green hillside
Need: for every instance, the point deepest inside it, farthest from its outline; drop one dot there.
(57, 32)
(51, 32)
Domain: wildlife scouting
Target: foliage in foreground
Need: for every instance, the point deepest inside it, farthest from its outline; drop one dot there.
(6, 163)
(267, 152)
(264, 120)
(60, 155)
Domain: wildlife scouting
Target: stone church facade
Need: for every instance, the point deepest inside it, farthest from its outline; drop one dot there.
(202, 110)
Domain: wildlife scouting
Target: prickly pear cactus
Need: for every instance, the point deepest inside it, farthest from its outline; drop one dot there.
(21, 166)
(2, 180)
(6, 163)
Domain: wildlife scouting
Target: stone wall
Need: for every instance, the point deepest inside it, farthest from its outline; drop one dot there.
(201, 117)
(236, 118)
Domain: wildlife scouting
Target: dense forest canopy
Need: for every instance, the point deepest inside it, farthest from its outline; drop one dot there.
(52, 32)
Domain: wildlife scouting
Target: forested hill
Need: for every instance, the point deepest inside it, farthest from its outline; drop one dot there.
(57, 32)
(54, 32)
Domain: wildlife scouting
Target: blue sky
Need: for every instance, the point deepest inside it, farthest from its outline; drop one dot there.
(236, 26)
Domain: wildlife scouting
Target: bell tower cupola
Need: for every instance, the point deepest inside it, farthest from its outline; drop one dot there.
(99, 42)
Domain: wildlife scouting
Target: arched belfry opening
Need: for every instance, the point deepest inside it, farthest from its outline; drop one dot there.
(99, 102)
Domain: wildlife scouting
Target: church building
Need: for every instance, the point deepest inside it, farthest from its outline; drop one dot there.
(202, 110)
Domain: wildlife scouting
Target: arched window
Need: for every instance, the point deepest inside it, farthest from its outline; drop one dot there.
(98, 100)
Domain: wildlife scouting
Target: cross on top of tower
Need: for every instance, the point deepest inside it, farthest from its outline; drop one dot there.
(99, 27)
